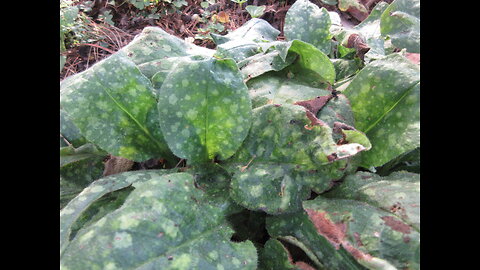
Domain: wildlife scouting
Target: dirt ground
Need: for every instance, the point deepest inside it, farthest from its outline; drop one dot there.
(128, 22)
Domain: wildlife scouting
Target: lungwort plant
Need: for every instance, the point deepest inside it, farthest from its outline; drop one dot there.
(269, 148)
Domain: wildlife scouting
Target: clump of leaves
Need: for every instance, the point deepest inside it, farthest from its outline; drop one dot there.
(269, 150)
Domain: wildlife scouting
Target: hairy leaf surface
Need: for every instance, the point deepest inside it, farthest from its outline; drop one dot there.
(70, 213)
(385, 99)
(205, 111)
(309, 23)
(114, 107)
(155, 230)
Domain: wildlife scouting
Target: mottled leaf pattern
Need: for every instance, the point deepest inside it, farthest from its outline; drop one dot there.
(270, 188)
(398, 193)
(278, 134)
(373, 219)
(401, 22)
(75, 208)
(295, 57)
(385, 99)
(284, 158)
(116, 110)
(69, 131)
(205, 111)
(369, 29)
(156, 44)
(314, 121)
(245, 41)
(309, 23)
(155, 230)
(275, 88)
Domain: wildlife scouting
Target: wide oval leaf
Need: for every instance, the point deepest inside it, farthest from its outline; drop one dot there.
(401, 21)
(205, 110)
(114, 107)
(309, 23)
(155, 230)
(153, 43)
(385, 97)
(96, 190)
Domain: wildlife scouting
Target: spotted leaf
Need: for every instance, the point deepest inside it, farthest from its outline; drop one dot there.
(153, 43)
(155, 230)
(246, 40)
(401, 22)
(286, 154)
(205, 110)
(69, 132)
(397, 193)
(309, 23)
(277, 88)
(295, 57)
(96, 190)
(114, 107)
(385, 99)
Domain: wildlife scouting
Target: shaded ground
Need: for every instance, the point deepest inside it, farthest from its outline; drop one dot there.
(183, 22)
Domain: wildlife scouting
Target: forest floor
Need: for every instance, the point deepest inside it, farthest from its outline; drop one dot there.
(110, 25)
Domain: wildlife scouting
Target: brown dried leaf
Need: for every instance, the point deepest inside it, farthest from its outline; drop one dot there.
(116, 165)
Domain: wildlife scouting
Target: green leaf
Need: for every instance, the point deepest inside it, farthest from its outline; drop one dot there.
(276, 88)
(296, 57)
(76, 207)
(114, 107)
(155, 230)
(278, 135)
(345, 68)
(312, 66)
(398, 193)
(297, 229)
(309, 23)
(205, 111)
(369, 29)
(156, 44)
(385, 101)
(78, 168)
(255, 11)
(275, 256)
(274, 57)
(246, 40)
(351, 233)
(69, 131)
(285, 156)
(401, 22)
(270, 188)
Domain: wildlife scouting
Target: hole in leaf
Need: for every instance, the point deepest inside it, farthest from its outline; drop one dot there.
(249, 225)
